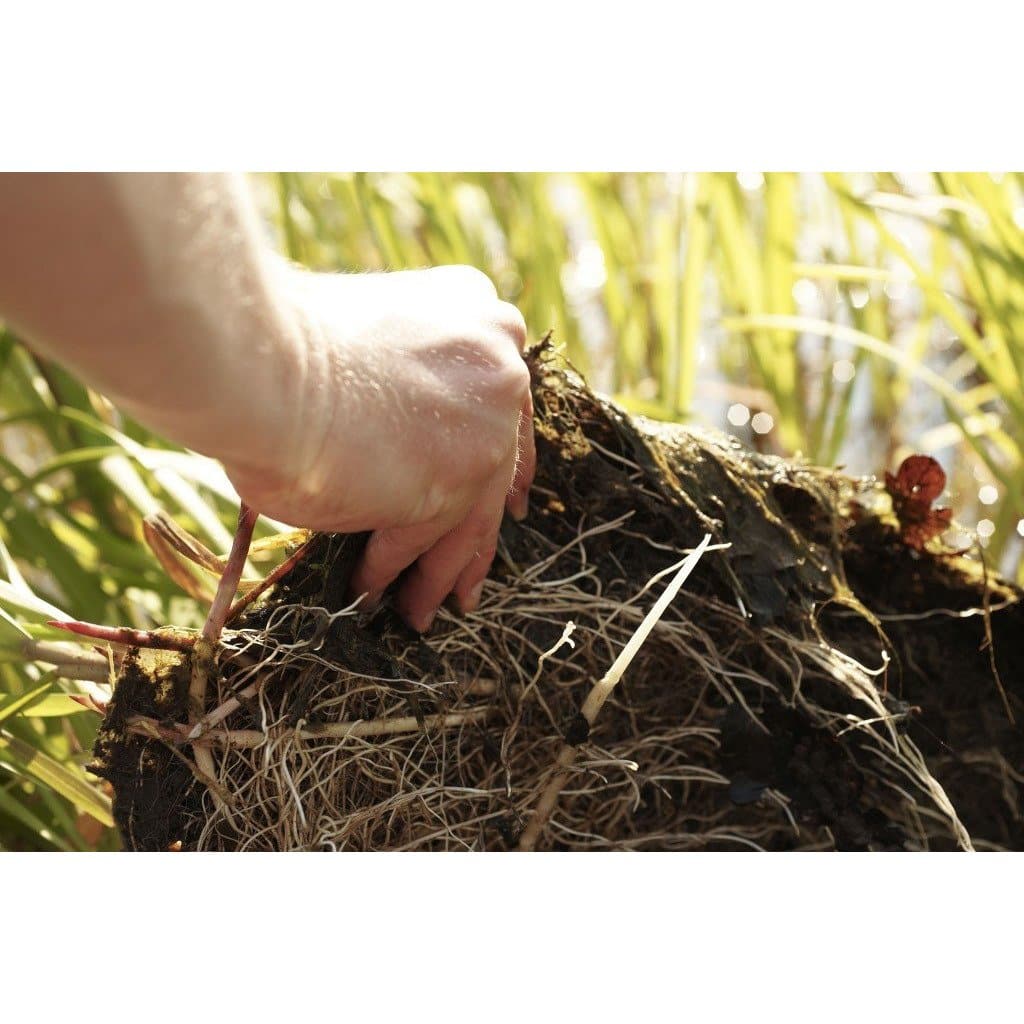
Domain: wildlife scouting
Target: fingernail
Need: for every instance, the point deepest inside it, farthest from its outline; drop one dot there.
(473, 599)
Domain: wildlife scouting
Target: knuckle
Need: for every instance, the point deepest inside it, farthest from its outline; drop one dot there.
(514, 378)
(386, 546)
(467, 278)
(480, 533)
(499, 375)
(510, 321)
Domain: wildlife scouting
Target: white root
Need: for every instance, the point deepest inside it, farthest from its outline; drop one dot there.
(378, 777)
(603, 689)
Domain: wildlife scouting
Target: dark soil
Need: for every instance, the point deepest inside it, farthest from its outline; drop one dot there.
(814, 556)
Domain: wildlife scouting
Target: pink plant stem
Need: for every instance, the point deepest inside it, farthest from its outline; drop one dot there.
(228, 584)
(127, 637)
(204, 657)
(271, 578)
(89, 703)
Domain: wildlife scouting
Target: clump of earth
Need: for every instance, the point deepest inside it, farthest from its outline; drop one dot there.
(818, 684)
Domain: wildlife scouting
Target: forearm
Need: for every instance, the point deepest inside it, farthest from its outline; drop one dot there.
(397, 404)
(158, 291)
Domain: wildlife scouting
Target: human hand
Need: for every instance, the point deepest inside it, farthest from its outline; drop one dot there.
(410, 416)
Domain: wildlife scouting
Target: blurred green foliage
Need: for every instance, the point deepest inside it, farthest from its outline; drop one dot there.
(866, 315)
(848, 318)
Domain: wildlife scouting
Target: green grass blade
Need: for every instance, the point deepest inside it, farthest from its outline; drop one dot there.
(59, 778)
(11, 707)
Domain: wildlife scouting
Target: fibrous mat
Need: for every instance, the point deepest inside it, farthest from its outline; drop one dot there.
(816, 684)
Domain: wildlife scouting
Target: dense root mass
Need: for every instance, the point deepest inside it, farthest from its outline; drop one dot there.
(816, 685)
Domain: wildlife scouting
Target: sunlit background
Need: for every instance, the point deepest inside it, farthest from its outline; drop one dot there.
(850, 319)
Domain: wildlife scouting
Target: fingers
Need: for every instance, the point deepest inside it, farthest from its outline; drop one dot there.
(481, 352)
(526, 463)
(468, 549)
(470, 584)
(388, 553)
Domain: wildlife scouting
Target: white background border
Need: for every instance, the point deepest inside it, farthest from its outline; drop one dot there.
(525, 86)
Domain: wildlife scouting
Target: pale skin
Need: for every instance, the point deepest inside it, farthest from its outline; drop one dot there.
(393, 403)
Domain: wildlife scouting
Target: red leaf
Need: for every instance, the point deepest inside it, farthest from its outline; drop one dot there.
(919, 477)
(917, 483)
(916, 535)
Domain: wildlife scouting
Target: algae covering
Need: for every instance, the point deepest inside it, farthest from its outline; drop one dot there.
(817, 684)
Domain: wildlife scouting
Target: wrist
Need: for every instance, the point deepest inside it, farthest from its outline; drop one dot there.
(278, 397)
